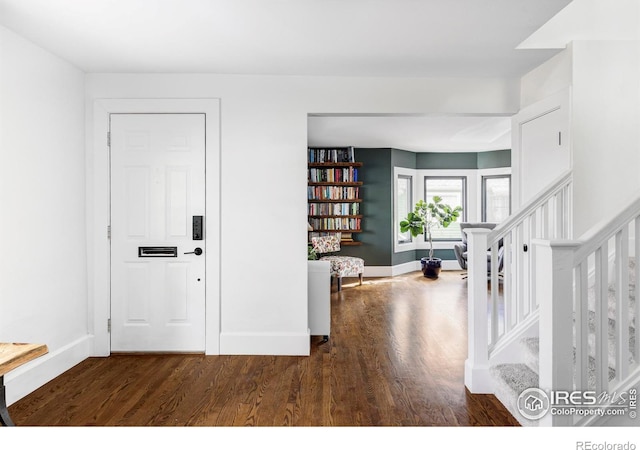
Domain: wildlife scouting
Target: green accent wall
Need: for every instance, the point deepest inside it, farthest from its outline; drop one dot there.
(376, 173)
(442, 253)
(495, 159)
(462, 161)
(402, 158)
(447, 161)
(377, 195)
(408, 160)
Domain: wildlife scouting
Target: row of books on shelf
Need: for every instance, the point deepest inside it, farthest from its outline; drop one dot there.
(333, 209)
(344, 236)
(333, 175)
(332, 223)
(333, 192)
(335, 155)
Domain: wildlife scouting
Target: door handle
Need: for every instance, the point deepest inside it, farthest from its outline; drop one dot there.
(197, 251)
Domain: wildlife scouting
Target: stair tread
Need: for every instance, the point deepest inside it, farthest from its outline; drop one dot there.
(510, 381)
(532, 344)
(517, 376)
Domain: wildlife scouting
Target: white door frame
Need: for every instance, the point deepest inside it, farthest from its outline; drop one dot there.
(98, 215)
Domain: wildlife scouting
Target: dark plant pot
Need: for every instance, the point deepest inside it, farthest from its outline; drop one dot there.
(431, 267)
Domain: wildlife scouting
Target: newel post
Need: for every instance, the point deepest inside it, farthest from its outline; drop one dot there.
(476, 367)
(554, 294)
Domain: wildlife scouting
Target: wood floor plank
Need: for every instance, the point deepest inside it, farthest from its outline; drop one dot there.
(395, 357)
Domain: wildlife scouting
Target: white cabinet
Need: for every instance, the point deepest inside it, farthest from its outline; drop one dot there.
(319, 297)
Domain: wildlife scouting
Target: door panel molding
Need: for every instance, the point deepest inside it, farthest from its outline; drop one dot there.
(98, 257)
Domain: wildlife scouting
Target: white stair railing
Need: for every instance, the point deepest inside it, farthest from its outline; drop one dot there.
(501, 294)
(587, 283)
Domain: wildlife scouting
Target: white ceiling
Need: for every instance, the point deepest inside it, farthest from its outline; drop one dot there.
(288, 37)
(413, 133)
(452, 38)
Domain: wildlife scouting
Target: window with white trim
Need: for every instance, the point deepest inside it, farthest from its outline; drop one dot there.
(404, 205)
(496, 198)
(453, 191)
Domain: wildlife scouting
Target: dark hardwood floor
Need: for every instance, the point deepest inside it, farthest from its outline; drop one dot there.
(395, 357)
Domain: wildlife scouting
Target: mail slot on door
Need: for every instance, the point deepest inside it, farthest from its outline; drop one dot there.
(158, 252)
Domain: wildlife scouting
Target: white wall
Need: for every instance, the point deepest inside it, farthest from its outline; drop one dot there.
(601, 64)
(43, 277)
(606, 135)
(538, 157)
(549, 78)
(604, 81)
(263, 165)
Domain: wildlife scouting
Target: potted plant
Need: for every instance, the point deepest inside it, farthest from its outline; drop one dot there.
(424, 218)
(311, 253)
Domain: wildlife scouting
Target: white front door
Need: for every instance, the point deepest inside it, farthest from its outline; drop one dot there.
(157, 244)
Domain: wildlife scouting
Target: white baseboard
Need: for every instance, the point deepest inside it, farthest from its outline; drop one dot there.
(390, 271)
(399, 269)
(29, 377)
(451, 264)
(478, 378)
(281, 344)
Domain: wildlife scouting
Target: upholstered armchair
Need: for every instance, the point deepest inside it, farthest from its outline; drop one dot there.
(341, 266)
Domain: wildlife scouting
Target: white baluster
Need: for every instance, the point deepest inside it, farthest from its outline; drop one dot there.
(522, 276)
(622, 303)
(495, 290)
(509, 302)
(582, 326)
(558, 213)
(602, 318)
(636, 290)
